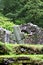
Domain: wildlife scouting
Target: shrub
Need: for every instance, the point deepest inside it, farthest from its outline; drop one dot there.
(19, 22)
(6, 23)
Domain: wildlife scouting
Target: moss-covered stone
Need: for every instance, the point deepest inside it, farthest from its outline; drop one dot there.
(20, 54)
(27, 50)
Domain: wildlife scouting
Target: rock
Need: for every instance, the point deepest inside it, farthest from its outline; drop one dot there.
(4, 35)
(27, 33)
(17, 34)
(35, 33)
(8, 61)
(27, 50)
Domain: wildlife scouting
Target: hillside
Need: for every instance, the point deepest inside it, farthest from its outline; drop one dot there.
(17, 54)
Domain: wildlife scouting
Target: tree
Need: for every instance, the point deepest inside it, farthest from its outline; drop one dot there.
(27, 10)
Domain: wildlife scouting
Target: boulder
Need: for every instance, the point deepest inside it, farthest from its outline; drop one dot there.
(34, 33)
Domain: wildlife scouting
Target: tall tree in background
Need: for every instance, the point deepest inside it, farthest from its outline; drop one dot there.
(24, 10)
(6, 8)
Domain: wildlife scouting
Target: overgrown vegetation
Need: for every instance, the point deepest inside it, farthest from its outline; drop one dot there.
(23, 11)
(16, 58)
(20, 12)
(6, 23)
(21, 48)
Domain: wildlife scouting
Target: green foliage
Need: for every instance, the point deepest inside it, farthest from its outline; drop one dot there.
(24, 10)
(3, 49)
(15, 48)
(19, 22)
(6, 23)
(7, 54)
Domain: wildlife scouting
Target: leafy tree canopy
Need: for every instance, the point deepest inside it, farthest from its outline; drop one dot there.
(25, 10)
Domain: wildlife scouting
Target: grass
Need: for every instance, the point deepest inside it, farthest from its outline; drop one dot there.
(32, 57)
(13, 55)
(11, 47)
